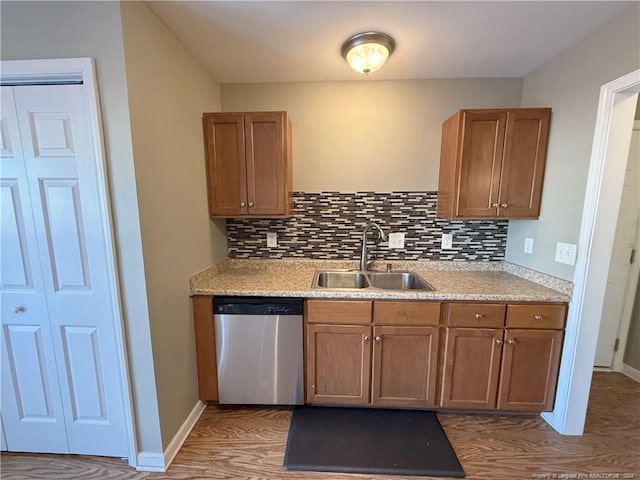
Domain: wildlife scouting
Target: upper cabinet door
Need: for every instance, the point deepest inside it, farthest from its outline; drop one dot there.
(267, 163)
(480, 162)
(226, 167)
(525, 151)
(492, 163)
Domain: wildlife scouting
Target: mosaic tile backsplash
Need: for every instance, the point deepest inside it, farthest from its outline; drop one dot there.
(329, 225)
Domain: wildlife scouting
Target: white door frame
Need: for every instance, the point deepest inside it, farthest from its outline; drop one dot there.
(83, 69)
(585, 309)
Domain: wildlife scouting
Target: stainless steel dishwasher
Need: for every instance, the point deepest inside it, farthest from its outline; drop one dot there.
(259, 350)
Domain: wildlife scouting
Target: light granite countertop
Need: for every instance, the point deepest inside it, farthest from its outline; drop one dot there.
(479, 281)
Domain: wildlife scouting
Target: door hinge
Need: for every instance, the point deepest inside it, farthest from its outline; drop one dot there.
(616, 345)
(632, 258)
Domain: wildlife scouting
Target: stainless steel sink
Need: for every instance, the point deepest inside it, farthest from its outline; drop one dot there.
(358, 279)
(334, 279)
(398, 281)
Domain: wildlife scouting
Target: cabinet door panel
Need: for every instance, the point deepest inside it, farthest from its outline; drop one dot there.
(525, 151)
(529, 370)
(471, 369)
(404, 366)
(338, 364)
(480, 161)
(226, 166)
(266, 158)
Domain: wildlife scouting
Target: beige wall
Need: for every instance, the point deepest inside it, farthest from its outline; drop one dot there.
(570, 84)
(168, 91)
(632, 351)
(369, 135)
(93, 29)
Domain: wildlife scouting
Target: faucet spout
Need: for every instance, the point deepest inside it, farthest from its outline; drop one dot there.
(363, 254)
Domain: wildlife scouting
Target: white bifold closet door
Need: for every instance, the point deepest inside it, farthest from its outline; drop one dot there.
(62, 390)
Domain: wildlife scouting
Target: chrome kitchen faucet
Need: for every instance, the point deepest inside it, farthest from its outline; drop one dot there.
(363, 255)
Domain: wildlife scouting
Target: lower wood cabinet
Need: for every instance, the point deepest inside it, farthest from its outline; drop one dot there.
(338, 364)
(529, 371)
(503, 368)
(389, 365)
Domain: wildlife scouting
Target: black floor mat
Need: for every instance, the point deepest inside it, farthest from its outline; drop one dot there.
(370, 441)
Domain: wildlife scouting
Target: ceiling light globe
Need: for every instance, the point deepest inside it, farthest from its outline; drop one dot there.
(367, 52)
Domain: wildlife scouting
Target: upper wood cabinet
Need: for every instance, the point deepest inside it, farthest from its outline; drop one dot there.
(248, 164)
(492, 163)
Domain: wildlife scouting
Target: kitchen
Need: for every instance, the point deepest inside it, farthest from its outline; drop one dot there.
(171, 212)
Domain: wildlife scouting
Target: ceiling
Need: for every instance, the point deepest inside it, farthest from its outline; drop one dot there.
(282, 41)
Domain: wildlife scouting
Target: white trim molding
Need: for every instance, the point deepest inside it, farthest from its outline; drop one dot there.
(632, 373)
(84, 69)
(574, 382)
(160, 462)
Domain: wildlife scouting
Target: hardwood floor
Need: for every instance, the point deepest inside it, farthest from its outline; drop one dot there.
(248, 443)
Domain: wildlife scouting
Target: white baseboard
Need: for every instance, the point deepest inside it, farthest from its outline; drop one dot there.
(631, 372)
(183, 432)
(159, 462)
(150, 462)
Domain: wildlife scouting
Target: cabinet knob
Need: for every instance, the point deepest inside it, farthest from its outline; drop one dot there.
(504, 205)
(495, 205)
(537, 317)
(511, 342)
(366, 339)
(251, 204)
(242, 204)
(478, 316)
(499, 342)
(19, 309)
(378, 338)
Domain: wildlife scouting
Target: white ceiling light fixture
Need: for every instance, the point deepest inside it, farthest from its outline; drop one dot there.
(366, 52)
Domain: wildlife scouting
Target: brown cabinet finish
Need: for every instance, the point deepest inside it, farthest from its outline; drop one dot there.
(205, 348)
(345, 312)
(406, 313)
(404, 366)
(529, 370)
(248, 164)
(471, 368)
(492, 163)
(338, 364)
(547, 316)
(476, 315)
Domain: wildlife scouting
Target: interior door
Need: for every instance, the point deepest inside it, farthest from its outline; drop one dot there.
(32, 413)
(620, 267)
(59, 156)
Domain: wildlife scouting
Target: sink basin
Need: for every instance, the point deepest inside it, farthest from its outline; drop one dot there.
(342, 279)
(398, 281)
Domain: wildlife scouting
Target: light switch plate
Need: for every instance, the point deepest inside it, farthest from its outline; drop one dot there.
(447, 241)
(566, 253)
(528, 245)
(396, 240)
(272, 239)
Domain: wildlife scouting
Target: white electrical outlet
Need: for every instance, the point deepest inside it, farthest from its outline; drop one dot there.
(447, 241)
(566, 253)
(396, 240)
(528, 245)
(272, 239)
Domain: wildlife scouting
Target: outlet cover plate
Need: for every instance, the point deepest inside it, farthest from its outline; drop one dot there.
(566, 253)
(396, 240)
(528, 245)
(447, 241)
(272, 239)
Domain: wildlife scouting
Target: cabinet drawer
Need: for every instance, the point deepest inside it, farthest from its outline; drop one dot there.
(536, 316)
(482, 315)
(346, 312)
(406, 313)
